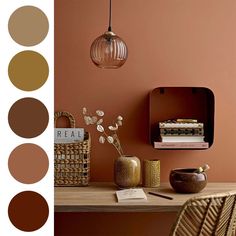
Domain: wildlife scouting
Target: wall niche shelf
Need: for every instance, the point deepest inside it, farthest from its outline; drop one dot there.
(181, 102)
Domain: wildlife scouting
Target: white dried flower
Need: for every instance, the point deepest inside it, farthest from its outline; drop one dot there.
(84, 110)
(99, 121)
(100, 128)
(113, 128)
(94, 119)
(87, 120)
(119, 123)
(102, 139)
(120, 118)
(110, 139)
(100, 113)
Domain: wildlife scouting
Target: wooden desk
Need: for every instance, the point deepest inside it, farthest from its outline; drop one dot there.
(100, 197)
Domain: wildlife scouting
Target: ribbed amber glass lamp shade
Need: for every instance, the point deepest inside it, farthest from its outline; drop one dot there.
(108, 51)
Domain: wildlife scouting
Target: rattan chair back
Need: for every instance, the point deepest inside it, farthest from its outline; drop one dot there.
(212, 215)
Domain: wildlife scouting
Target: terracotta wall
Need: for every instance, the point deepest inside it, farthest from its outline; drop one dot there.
(171, 43)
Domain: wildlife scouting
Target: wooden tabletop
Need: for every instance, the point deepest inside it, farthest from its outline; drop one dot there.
(100, 197)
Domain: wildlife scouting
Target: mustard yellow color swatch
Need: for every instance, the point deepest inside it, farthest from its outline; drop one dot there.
(28, 70)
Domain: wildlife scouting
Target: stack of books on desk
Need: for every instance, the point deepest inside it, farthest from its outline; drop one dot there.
(181, 133)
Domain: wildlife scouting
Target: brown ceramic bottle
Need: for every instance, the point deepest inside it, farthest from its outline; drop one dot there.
(127, 171)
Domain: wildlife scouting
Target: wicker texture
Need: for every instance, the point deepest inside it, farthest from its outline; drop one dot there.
(71, 160)
(207, 215)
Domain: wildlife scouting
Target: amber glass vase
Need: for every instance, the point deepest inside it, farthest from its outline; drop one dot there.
(127, 171)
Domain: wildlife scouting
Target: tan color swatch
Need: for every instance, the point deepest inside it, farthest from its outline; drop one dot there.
(28, 211)
(28, 70)
(28, 163)
(28, 117)
(28, 26)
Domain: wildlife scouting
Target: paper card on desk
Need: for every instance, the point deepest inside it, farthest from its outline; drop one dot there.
(131, 195)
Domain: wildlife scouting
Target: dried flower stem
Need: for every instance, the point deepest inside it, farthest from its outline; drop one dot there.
(119, 144)
(117, 147)
(98, 120)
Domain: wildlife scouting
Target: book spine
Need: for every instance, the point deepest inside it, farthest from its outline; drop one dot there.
(180, 125)
(181, 131)
(181, 145)
(181, 140)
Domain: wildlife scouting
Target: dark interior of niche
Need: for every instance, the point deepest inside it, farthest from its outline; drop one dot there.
(182, 102)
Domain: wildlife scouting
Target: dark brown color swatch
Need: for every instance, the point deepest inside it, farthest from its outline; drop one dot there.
(28, 25)
(28, 163)
(28, 117)
(28, 70)
(28, 211)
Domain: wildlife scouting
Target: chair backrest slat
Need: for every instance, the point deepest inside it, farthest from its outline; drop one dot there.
(207, 215)
(230, 211)
(220, 218)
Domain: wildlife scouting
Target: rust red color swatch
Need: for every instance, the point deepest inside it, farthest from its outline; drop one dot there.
(28, 211)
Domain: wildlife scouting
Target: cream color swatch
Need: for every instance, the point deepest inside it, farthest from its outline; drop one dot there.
(28, 26)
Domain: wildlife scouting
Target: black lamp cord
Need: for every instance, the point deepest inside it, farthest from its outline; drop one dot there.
(109, 28)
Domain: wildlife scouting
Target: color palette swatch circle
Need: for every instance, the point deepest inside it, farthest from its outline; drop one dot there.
(28, 26)
(28, 70)
(28, 117)
(28, 211)
(28, 163)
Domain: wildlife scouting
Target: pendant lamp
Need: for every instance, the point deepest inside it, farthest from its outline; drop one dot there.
(108, 50)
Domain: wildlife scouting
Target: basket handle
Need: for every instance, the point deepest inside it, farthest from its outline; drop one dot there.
(67, 114)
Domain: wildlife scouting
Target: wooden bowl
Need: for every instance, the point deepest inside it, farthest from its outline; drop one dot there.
(187, 180)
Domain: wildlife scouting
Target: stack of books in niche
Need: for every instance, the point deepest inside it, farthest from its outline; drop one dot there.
(181, 134)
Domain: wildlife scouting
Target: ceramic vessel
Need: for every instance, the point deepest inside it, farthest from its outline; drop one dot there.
(187, 180)
(151, 173)
(127, 171)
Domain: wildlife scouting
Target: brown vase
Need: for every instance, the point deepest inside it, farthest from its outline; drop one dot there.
(127, 171)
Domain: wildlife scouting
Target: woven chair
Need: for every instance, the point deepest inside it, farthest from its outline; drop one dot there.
(207, 215)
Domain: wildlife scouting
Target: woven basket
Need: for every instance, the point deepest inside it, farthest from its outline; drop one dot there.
(71, 160)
